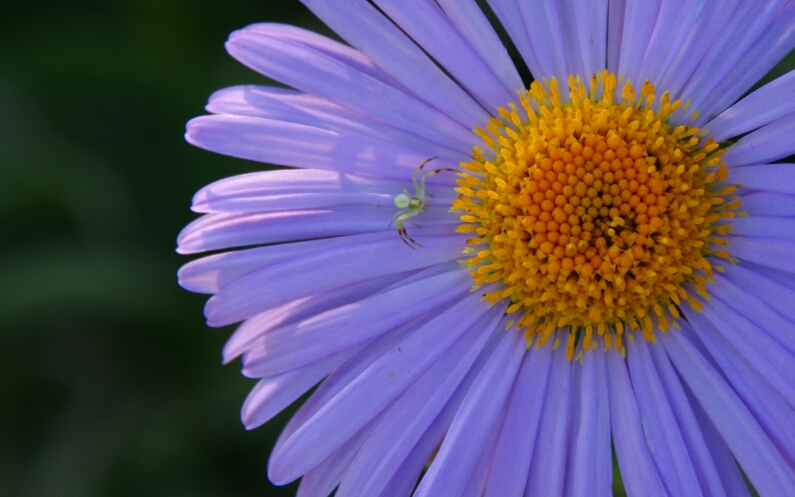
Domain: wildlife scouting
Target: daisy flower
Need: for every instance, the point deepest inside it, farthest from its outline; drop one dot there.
(497, 285)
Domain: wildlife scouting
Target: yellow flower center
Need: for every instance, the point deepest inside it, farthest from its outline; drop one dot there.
(595, 212)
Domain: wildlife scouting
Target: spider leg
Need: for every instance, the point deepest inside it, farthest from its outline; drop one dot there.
(402, 233)
(414, 176)
(421, 190)
(397, 215)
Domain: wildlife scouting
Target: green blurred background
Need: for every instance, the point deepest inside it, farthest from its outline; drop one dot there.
(110, 382)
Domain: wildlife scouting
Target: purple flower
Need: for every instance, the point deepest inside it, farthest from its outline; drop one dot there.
(583, 264)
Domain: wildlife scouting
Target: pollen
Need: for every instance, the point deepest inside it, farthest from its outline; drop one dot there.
(594, 211)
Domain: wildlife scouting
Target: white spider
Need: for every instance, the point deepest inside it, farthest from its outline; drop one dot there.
(412, 205)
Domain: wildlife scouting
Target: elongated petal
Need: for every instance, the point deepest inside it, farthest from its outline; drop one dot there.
(777, 40)
(769, 204)
(272, 395)
(782, 228)
(591, 28)
(758, 312)
(709, 477)
(514, 450)
(776, 295)
(311, 71)
(742, 30)
(297, 145)
(405, 477)
(210, 274)
(767, 144)
(335, 330)
(474, 26)
(413, 414)
(769, 177)
(255, 327)
(776, 253)
(321, 480)
(769, 408)
(315, 273)
(675, 21)
(590, 469)
(668, 449)
(370, 394)
(292, 189)
(755, 111)
(639, 21)
(548, 467)
(759, 458)
(429, 27)
(542, 23)
(507, 11)
(283, 104)
(637, 467)
(475, 419)
(361, 25)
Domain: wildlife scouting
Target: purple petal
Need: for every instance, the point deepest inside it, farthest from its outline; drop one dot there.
(272, 395)
(210, 274)
(767, 144)
(775, 253)
(782, 228)
(481, 408)
(542, 23)
(427, 25)
(413, 414)
(514, 450)
(674, 24)
(769, 204)
(547, 474)
(666, 444)
(335, 330)
(475, 27)
(591, 30)
(316, 273)
(290, 189)
(767, 405)
(372, 391)
(634, 459)
(709, 25)
(282, 104)
(321, 480)
(755, 110)
(615, 32)
(734, 484)
(227, 230)
(639, 21)
(314, 72)
(777, 296)
(257, 326)
(764, 465)
(345, 374)
(709, 478)
(777, 40)
(297, 145)
(769, 177)
(361, 25)
(509, 15)
(590, 469)
(756, 315)
(745, 26)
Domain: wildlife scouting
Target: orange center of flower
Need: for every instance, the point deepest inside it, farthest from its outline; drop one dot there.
(595, 213)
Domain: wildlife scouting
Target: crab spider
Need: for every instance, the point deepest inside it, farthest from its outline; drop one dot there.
(412, 205)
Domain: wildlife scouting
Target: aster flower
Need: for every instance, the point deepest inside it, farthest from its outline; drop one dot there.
(600, 261)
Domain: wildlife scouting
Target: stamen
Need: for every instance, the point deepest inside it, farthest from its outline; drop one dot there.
(595, 211)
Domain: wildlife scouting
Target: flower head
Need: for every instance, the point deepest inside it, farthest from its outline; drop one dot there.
(496, 283)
